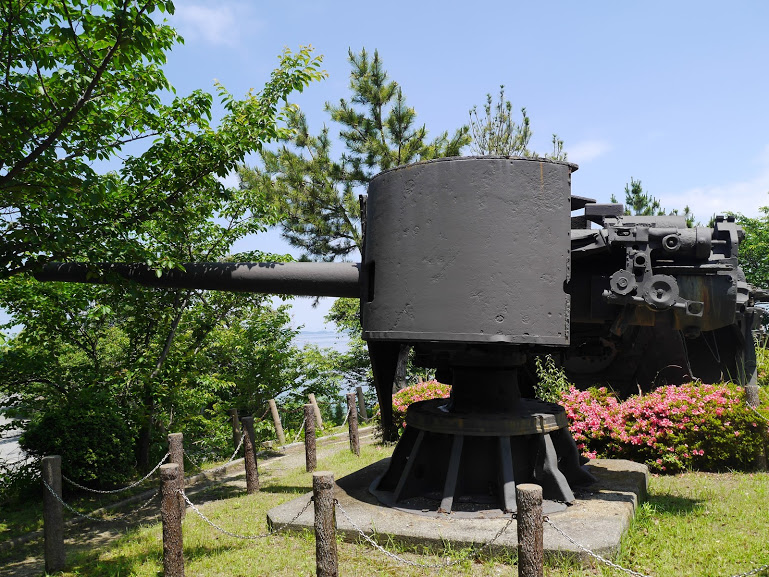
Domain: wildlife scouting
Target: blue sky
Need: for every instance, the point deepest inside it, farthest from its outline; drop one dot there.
(671, 93)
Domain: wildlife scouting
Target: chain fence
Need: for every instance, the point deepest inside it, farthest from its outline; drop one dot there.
(760, 416)
(116, 517)
(609, 563)
(195, 463)
(363, 535)
(590, 553)
(120, 490)
(398, 558)
(224, 465)
(236, 535)
(299, 433)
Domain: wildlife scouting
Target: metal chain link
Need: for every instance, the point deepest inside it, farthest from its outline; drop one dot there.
(629, 571)
(101, 520)
(753, 571)
(596, 556)
(195, 463)
(299, 433)
(762, 417)
(400, 559)
(232, 458)
(131, 486)
(143, 506)
(59, 499)
(237, 536)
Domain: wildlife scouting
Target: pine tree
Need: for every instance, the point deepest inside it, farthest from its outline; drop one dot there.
(318, 192)
(640, 203)
(497, 133)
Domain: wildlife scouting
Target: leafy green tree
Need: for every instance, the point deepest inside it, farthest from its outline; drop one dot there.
(497, 133)
(354, 363)
(156, 360)
(319, 193)
(754, 249)
(80, 81)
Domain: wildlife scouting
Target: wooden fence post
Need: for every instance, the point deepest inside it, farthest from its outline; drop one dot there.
(171, 515)
(278, 426)
(318, 418)
(235, 427)
(753, 401)
(352, 422)
(309, 438)
(361, 404)
(325, 527)
(249, 443)
(176, 450)
(53, 515)
(530, 545)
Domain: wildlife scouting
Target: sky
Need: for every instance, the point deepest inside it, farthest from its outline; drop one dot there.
(672, 93)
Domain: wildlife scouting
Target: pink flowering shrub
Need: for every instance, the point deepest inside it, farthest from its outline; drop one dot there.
(419, 392)
(673, 428)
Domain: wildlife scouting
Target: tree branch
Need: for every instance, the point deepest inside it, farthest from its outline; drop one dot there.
(171, 334)
(70, 115)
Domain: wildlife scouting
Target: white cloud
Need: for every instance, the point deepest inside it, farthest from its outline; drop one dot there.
(745, 196)
(587, 150)
(218, 24)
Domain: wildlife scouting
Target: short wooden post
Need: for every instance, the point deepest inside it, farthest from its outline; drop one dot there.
(753, 401)
(361, 404)
(530, 546)
(53, 514)
(311, 459)
(751, 395)
(236, 434)
(171, 515)
(318, 418)
(325, 526)
(176, 451)
(352, 423)
(278, 426)
(249, 444)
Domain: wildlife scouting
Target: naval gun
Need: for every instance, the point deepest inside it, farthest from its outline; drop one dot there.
(479, 265)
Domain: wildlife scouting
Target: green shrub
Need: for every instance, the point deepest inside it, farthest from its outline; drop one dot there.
(762, 362)
(93, 438)
(19, 481)
(551, 380)
(673, 428)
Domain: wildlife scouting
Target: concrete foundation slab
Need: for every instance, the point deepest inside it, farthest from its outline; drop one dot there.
(597, 519)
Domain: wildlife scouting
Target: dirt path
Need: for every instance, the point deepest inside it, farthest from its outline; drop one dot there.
(25, 560)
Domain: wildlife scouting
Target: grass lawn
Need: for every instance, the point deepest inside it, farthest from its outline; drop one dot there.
(692, 524)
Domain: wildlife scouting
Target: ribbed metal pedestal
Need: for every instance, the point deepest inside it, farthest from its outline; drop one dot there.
(448, 461)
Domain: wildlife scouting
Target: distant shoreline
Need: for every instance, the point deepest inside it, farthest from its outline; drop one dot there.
(323, 339)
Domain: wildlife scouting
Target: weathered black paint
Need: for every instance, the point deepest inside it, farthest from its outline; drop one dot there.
(334, 279)
(471, 250)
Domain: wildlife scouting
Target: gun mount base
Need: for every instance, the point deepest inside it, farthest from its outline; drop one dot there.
(469, 462)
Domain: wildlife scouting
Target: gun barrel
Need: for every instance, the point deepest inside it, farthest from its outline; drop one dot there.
(333, 279)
